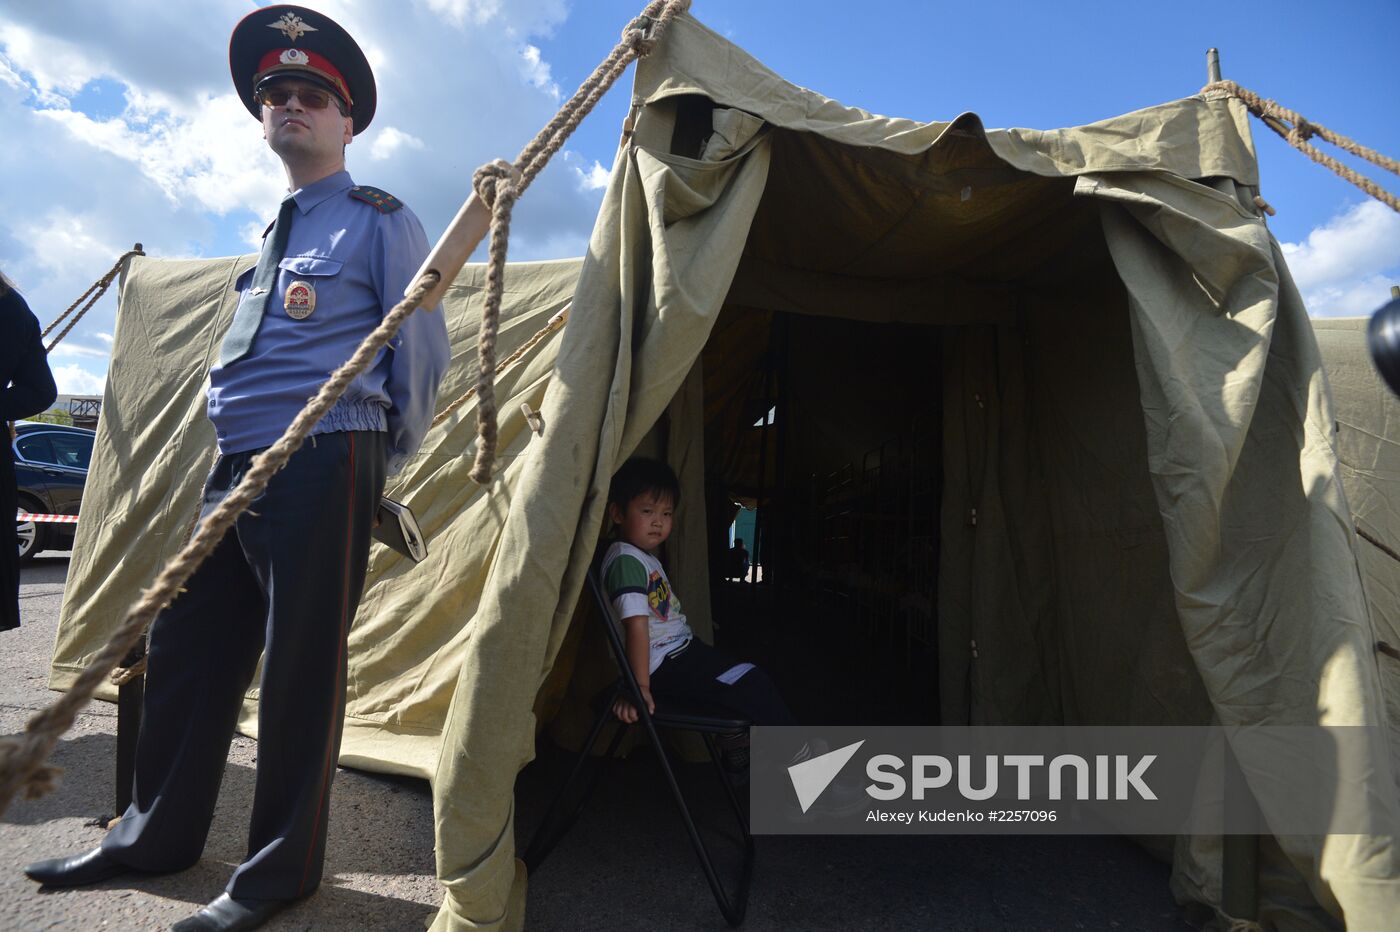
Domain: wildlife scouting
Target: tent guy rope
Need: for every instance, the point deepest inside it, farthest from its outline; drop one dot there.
(123, 675)
(555, 323)
(94, 292)
(499, 184)
(1296, 131)
(23, 766)
(92, 295)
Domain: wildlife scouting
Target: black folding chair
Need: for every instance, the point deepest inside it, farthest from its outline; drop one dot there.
(672, 715)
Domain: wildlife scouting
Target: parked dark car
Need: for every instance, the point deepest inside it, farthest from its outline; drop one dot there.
(51, 465)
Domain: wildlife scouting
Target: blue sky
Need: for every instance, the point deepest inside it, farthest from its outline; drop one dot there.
(120, 124)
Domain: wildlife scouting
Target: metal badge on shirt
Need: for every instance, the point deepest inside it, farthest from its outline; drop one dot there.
(300, 300)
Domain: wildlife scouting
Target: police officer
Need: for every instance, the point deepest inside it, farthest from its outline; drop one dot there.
(288, 576)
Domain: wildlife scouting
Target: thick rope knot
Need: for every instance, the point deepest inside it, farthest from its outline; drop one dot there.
(491, 178)
(637, 36)
(1297, 131)
(499, 184)
(644, 32)
(123, 675)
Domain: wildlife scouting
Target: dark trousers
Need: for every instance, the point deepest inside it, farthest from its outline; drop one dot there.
(692, 673)
(284, 583)
(9, 541)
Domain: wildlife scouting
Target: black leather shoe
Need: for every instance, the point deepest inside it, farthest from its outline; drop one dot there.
(227, 914)
(91, 867)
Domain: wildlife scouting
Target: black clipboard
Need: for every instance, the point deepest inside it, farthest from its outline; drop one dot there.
(398, 530)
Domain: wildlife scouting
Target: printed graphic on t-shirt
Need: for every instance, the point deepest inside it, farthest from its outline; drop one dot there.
(659, 596)
(637, 585)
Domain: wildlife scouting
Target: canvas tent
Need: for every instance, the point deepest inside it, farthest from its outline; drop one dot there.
(1368, 449)
(1088, 336)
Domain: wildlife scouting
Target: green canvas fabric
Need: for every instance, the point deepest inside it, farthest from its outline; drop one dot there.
(155, 446)
(1230, 388)
(1147, 513)
(659, 266)
(1368, 447)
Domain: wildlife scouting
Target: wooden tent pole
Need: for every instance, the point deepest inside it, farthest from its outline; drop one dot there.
(455, 246)
(1239, 869)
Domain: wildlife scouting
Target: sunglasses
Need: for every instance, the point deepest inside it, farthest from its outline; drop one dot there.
(311, 98)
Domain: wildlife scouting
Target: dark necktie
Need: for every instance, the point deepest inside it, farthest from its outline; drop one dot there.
(239, 338)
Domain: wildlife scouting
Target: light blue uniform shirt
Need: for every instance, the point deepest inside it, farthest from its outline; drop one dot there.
(359, 261)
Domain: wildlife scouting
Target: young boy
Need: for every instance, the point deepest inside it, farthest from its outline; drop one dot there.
(664, 654)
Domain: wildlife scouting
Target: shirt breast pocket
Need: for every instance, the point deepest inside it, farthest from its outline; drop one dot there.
(309, 285)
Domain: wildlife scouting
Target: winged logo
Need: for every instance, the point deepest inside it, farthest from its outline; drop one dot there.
(292, 26)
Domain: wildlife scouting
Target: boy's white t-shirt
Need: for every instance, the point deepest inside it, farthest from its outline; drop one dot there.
(637, 585)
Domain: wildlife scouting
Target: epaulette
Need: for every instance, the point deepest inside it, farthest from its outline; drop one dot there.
(382, 200)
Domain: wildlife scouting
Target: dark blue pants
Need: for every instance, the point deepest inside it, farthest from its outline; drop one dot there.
(9, 540)
(691, 673)
(283, 583)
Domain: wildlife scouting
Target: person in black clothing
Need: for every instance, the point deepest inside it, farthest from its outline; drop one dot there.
(26, 387)
(738, 560)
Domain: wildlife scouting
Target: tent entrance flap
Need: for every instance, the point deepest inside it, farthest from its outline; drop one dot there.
(954, 481)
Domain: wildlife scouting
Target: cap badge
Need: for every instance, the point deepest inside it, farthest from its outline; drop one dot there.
(292, 26)
(294, 57)
(300, 300)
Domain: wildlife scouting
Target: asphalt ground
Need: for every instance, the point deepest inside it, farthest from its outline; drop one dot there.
(626, 864)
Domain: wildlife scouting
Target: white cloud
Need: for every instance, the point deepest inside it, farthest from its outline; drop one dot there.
(536, 71)
(1357, 298)
(596, 178)
(1346, 266)
(518, 17)
(467, 12)
(63, 44)
(104, 337)
(69, 348)
(548, 245)
(10, 77)
(73, 379)
(186, 132)
(160, 150)
(63, 240)
(251, 234)
(57, 65)
(389, 141)
(214, 156)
